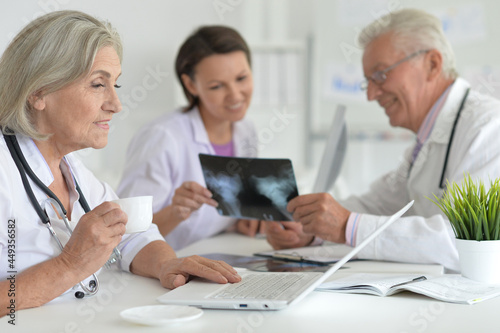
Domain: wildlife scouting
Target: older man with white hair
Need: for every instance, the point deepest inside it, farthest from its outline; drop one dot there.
(409, 68)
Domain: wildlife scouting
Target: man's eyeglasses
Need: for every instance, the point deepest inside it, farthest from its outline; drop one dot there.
(379, 77)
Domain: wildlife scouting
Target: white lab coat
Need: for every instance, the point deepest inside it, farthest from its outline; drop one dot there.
(164, 154)
(32, 240)
(425, 235)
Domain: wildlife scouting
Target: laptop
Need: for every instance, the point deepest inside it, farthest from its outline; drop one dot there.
(262, 290)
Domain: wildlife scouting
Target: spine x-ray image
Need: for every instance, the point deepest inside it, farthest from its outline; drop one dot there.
(252, 188)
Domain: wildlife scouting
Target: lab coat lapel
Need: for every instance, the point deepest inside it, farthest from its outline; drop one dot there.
(437, 142)
(200, 134)
(35, 159)
(444, 123)
(39, 166)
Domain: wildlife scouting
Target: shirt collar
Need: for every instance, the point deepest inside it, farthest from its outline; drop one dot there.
(35, 159)
(425, 129)
(199, 131)
(37, 163)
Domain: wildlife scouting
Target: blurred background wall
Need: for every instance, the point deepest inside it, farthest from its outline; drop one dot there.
(305, 61)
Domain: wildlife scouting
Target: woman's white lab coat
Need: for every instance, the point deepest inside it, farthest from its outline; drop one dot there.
(27, 238)
(164, 154)
(425, 235)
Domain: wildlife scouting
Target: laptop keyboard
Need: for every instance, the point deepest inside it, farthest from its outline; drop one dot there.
(265, 286)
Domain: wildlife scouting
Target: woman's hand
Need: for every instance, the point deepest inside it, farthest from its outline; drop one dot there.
(176, 272)
(87, 250)
(188, 197)
(250, 227)
(95, 236)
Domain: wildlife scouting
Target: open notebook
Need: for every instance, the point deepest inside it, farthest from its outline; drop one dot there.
(262, 290)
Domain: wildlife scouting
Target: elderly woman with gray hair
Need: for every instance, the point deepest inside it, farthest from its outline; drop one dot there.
(58, 81)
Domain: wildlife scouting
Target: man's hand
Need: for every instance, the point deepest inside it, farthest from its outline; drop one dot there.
(320, 215)
(285, 235)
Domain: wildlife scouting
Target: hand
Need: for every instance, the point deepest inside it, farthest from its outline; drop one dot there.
(250, 227)
(321, 215)
(190, 196)
(286, 235)
(176, 272)
(95, 236)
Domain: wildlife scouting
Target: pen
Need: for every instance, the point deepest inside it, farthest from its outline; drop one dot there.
(417, 279)
(260, 232)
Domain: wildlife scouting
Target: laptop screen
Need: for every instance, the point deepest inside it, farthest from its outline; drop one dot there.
(333, 154)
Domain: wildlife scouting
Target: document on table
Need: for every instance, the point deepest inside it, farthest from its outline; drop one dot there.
(451, 288)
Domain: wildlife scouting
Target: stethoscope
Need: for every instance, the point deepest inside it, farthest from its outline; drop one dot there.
(450, 141)
(24, 169)
(462, 104)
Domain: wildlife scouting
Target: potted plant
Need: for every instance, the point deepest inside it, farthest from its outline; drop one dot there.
(474, 214)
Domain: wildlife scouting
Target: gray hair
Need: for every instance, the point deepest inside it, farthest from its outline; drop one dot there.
(51, 52)
(413, 30)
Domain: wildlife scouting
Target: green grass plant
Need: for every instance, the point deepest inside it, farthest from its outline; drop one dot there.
(473, 212)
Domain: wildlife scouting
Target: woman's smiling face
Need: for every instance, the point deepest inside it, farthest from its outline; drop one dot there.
(78, 115)
(224, 85)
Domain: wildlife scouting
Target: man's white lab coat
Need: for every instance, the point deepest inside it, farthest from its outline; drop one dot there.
(424, 235)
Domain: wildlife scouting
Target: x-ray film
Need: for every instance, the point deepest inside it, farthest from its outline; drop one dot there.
(250, 188)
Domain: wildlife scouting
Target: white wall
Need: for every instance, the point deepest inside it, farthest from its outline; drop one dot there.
(152, 31)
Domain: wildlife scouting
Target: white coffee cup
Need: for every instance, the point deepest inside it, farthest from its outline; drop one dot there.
(139, 211)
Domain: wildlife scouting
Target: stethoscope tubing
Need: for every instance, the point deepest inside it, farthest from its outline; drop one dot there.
(24, 169)
(54, 203)
(450, 141)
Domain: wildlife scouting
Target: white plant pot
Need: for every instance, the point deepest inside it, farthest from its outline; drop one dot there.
(479, 261)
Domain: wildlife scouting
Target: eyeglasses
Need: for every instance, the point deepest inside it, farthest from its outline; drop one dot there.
(379, 77)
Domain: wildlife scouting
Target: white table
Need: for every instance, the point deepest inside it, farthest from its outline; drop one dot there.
(318, 312)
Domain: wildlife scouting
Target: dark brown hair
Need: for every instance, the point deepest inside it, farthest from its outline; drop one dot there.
(204, 42)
